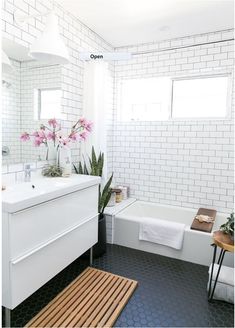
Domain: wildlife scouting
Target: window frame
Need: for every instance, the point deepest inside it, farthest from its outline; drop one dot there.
(38, 110)
(169, 116)
(229, 75)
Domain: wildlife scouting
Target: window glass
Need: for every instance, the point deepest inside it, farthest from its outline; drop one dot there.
(47, 103)
(200, 97)
(144, 99)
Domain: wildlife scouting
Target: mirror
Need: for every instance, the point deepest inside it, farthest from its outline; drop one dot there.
(31, 94)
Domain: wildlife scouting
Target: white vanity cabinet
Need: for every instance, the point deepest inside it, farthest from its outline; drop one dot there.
(41, 240)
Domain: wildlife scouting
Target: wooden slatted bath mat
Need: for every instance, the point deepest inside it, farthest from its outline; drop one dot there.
(94, 299)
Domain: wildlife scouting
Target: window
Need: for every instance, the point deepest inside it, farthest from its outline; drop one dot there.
(154, 99)
(200, 97)
(47, 103)
(144, 99)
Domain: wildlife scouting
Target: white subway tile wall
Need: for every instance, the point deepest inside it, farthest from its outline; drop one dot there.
(179, 162)
(185, 163)
(77, 38)
(11, 114)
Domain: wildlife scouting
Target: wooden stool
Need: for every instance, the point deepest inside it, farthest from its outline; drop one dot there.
(226, 244)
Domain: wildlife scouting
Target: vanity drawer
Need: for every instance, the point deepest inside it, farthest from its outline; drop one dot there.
(35, 226)
(33, 271)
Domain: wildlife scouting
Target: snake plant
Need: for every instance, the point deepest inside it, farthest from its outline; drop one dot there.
(96, 164)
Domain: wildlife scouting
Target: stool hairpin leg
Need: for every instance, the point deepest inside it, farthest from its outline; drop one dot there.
(212, 269)
(220, 256)
(217, 275)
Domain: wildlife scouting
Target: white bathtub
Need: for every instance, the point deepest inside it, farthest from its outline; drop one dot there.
(196, 245)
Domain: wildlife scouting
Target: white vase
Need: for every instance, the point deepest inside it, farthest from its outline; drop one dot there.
(64, 160)
(51, 153)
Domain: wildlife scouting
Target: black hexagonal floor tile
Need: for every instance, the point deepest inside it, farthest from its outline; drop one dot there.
(170, 293)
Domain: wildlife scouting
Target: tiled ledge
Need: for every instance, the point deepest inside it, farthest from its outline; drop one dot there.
(113, 210)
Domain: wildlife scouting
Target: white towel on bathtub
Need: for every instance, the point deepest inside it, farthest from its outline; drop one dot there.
(162, 232)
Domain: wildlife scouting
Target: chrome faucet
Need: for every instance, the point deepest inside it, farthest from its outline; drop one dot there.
(27, 173)
(5, 151)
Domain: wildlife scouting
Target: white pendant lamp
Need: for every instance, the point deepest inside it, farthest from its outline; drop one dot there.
(49, 47)
(6, 64)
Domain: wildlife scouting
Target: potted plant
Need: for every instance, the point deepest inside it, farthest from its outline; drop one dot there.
(228, 227)
(96, 168)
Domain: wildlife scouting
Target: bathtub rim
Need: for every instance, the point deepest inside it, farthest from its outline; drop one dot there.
(188, 209)
(132, 217)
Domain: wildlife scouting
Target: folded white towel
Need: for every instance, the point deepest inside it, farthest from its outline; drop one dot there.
(163, 232)
(226, 275)
(224, 289)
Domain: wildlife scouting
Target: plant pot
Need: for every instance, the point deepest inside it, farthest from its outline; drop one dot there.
(100, 247)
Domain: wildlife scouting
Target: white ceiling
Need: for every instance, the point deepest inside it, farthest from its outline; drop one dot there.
(129, 22)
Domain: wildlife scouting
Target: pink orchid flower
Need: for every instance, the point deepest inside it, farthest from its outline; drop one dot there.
(74, 136)
(51, 136)
(89, 126)
(42, 134)
(64, 141)
(59, 136)
(83, 135)
(37, 142)
(25, 136)
(35, 134)
(53, 122)
(86, 124)
(83, 122)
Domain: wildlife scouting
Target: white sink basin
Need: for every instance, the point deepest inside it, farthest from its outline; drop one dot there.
(20, 196)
